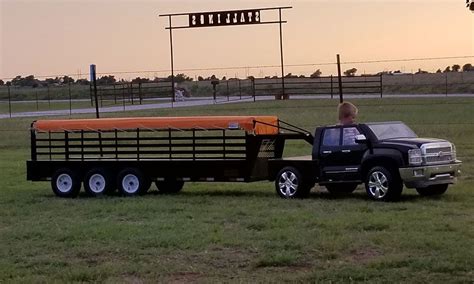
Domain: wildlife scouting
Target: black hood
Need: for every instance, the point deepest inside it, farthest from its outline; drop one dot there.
(410, 142)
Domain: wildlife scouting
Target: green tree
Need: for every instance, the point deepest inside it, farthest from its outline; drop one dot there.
(421, 71)
(140, 80)
(350, 72)
(66, 80)
(316, 74)
(2, 83)
(200, 78)
(456, 68)
(106, 80)
(82, 82)
(179, 78)
(467, 67)
(470, 5)
(448, 69)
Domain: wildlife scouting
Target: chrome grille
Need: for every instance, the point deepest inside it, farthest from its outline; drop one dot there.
(437, 153)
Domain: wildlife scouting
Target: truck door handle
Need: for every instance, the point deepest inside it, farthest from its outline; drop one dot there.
(327, 152)
(346, 151)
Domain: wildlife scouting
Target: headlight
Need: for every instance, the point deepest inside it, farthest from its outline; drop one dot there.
(414, 157)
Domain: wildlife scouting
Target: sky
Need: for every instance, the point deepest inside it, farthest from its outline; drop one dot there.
(55, 37)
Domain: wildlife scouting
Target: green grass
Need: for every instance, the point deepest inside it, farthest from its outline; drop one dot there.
(234, 232)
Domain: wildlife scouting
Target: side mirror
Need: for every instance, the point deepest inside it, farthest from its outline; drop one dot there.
(361, 139)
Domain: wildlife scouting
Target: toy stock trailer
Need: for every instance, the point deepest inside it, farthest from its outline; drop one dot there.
(129, 154)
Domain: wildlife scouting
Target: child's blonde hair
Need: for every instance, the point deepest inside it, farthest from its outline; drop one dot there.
(346, 110)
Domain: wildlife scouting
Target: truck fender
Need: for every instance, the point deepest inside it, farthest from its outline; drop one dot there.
(381, 157)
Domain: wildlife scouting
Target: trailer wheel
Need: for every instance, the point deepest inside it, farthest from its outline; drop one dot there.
(383, 185)
(98, 182)
(131, 182)
(169, 186)
(65, 183)
(289, 183)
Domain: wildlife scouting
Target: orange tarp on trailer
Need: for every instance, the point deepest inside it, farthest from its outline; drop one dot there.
(268, 125)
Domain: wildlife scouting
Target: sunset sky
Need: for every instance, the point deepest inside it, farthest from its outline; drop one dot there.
(52, 37)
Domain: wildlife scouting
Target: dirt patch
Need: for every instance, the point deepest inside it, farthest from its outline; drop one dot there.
(364, 255)
(184, 277)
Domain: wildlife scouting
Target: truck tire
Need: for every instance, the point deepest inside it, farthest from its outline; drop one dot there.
(65, 183)
(433, 190)
(98, 182)
(169, 186)
(383, 184)
(132, 182)
(342, 188)
(289, 183)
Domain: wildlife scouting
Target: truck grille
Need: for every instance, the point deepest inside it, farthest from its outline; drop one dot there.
(438, 153)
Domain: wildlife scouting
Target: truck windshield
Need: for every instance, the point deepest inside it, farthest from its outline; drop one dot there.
(392, 130)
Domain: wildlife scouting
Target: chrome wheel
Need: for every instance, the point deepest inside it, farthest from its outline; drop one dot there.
(130, 183)
(64, 183)
(288, 183)
(97, 183)
(378, 185)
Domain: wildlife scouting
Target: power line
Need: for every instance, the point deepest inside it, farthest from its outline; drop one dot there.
(263, 66)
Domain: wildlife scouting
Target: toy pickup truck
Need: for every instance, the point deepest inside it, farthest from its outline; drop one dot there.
(129, 154)
(384, 156)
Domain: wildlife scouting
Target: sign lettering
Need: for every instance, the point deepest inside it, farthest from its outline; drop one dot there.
(224, 18)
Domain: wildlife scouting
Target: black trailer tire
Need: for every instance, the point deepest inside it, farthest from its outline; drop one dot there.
(132, 182)
(99, 181)
(433, 190)
(169, 186)
(66, 183)
(289, 183)
(382, 184)
(342, 188)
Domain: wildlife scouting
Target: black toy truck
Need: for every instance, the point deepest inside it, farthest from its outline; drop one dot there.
(128, 154)
(383, 156)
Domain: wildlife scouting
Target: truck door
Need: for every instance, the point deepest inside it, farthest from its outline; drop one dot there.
(351, 153)
(340, 156)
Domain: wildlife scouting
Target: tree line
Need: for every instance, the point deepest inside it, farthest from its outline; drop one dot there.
(31, 81)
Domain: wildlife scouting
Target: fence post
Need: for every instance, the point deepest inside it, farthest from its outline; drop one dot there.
(130, 88)
(339, 76)
(446, 84)
(140, 92)
(70, 99)
(115, 95)
(240, 90)
(49, 99)
(9, 101)
(227, 83)
(252, 80)
(381, 85)
(90, 93)
(123, 96)
(37, 103)
(332, 89)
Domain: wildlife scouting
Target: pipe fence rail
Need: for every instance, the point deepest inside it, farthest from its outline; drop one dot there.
(124, 95)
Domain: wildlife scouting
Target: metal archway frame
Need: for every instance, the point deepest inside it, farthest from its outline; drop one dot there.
(226, 18)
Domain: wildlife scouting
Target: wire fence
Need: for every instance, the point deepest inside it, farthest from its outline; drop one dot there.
(73, 98)
(152, 89)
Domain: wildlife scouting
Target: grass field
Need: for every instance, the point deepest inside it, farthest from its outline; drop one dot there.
(215, 232)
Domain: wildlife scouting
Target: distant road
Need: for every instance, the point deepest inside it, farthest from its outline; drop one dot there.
(202, 101)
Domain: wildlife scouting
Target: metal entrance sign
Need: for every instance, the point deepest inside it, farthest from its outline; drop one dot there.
(226, 18)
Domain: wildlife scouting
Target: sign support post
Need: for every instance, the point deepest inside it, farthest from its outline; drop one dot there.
(226, 18)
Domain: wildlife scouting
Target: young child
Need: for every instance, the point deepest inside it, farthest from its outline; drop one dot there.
(347, 113)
